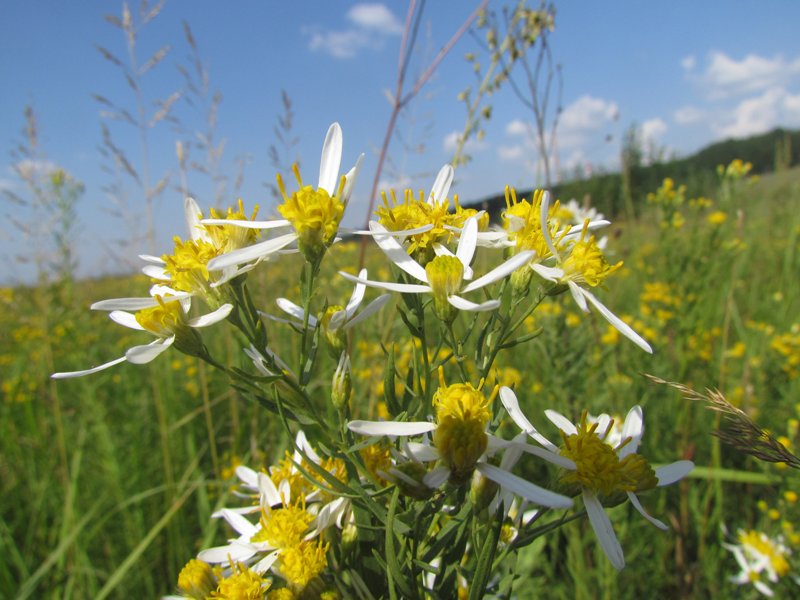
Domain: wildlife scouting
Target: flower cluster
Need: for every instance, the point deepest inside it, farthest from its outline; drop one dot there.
(411, 496)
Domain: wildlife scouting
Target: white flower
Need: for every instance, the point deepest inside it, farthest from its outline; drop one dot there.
(574, 268)
(339, 318)
(601, 471)
(445, 275)
(461, 445)
(315, 216)
(757, 555)
(166, 318)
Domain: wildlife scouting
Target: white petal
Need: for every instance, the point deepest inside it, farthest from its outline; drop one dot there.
(156, 272)
(350, 181)
(400, 233)
(603, 530)
(235, 551)
(577, 295)
(265, 563)
(396, 253)
(444, 179)
(248, 224)
(390, 427)
(525, 489)
(250, 253)
(550, 456)
(270, 496)
(356, 298)
(297, 312)
(238, 522)
(133, 304)
(330, 160)
(549, 273)
(405, 288)
(467, 242)
(560, 421)
(421, 452)
(511, 404)
(248, 476)
(638, 506)
(436, 477)
(157, 260)
(193, 215)
(618, 323)
(125, 319)
(71, 374)
(462, 304)
(632, 428)
(213, 317)
(369, 309)
(508, 267)
(669, 474)
(139, 355)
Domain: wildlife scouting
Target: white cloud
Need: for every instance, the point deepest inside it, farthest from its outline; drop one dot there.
(653, 128)
(760, 114)
(725, 77)
(688, 115)
(584, 117)
(376, 17)
(372, 23)
(688, 63)
(517, 127)
(511, 153)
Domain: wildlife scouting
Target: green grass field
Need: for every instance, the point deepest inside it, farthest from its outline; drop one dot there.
(108, 481)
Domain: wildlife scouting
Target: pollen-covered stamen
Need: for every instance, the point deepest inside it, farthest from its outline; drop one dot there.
(285, 526)
(303, 563)
(586, 263)
(598, 467)
(462, 414)
(187, 266)
(164, 320)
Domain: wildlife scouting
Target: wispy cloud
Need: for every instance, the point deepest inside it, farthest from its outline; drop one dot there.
(688, 115)
(371, 24)
(585, 116)
(756, 115)
(726, 77)
(653, 129)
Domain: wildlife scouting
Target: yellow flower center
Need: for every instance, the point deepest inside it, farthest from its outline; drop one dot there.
(586, 263)
(445, 275)
(188, 265)
(314, 214)
(598, 467)
(281, 594)
(417, 212)
(164, 320)
(761, 544)
(523, 224)
(286, 471)
(284, 527)
(242, 584)
(462, 413)
(226, 238)
(304, 562)
(197, 580)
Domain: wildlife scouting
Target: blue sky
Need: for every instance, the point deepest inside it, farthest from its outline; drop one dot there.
(686, 72)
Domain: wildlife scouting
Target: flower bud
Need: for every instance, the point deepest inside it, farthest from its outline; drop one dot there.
(341, 385)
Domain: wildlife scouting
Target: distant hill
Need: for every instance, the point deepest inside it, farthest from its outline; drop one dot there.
(779, 149)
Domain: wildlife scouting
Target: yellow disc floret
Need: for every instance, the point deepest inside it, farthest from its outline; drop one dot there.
(284, 527)
(188, 265)
(227, 238)
(445, 276)
(303, 563)
(462, 414)
(242, 584)
(586, 263)
(314, 214)
(197, 579)
(760, 543)
(598, 466)
(164, 320)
